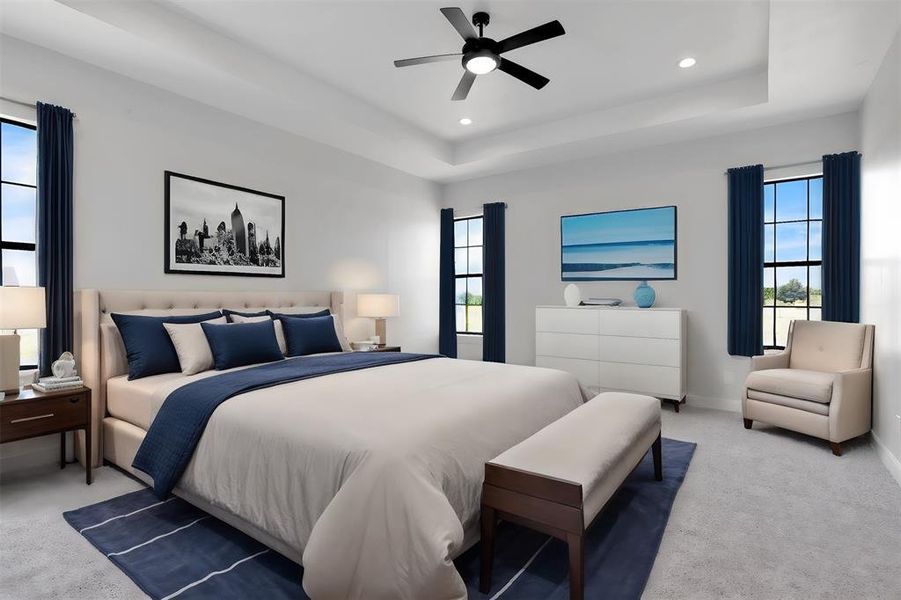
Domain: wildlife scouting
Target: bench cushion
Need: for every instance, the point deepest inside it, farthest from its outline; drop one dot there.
(596, 445)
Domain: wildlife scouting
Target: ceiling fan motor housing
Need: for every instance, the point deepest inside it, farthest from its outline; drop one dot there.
(477, 47)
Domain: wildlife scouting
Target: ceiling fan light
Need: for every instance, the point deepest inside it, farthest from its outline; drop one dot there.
(481, 64)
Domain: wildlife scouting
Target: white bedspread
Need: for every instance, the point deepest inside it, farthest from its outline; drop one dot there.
(373, 476)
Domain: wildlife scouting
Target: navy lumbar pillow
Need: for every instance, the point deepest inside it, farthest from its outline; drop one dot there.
(239, 344)
(322, 313)
(147, 345)
(228, 312)
(310, 335)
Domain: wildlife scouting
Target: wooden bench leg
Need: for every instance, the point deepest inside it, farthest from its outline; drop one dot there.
(656, 450)
(576, 565)
(489, 524)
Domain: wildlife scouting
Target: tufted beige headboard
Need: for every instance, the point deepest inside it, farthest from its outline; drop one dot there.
(101, 354)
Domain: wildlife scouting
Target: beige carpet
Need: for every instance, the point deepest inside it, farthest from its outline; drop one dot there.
(762, 514)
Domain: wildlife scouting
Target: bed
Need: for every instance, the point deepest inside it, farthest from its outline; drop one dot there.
(370, 479)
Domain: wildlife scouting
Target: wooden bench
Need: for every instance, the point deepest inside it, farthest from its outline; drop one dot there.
(558, 480)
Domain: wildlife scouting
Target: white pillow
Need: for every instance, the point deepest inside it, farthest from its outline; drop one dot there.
(279, 332)
(191, 345)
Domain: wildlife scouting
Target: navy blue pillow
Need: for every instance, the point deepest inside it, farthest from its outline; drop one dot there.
(322, 313)
(239, 344)
(310, 335)
(228, 312)
(147, 344)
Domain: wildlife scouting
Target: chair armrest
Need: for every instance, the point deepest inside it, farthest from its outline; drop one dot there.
(770, 361)
(850, 409)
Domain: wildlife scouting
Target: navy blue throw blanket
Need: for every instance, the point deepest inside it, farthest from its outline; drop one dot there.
(174, 434)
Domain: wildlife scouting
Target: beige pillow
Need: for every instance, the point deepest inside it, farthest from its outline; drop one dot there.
(279, 332)
(191, 345)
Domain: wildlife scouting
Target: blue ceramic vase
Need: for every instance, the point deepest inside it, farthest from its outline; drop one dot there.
(644, 295)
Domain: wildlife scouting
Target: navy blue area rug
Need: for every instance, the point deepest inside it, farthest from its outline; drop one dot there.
(172, 550)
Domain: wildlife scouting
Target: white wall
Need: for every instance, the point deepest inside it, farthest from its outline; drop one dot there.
(351, 224)
(880, 123)
(689, 175)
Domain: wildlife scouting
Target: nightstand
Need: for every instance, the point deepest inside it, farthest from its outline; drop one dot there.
(386, 348)
(31, 414)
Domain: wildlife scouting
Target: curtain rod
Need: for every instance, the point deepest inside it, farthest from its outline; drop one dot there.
(28, 104)
(797, 164)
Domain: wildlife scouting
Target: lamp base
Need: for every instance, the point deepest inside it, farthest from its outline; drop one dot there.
(381, 331)
(9, 363)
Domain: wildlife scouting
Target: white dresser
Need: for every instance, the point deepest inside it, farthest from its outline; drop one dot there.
(630, 349)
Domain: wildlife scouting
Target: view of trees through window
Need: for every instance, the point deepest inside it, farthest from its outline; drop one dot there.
(793, 251)
(468, 270)
(18, 208)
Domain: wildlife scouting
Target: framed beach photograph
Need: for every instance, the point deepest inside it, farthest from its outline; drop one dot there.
(213, 228)
(638, 244)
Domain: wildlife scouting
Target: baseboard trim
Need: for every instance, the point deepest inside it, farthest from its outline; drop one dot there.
(726, 404)
(890, 461)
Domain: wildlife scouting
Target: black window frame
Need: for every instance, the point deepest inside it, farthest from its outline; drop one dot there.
(775, 263)
(468, 275)
(26, 246)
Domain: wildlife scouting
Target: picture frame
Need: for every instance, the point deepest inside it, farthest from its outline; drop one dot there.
(240, 245)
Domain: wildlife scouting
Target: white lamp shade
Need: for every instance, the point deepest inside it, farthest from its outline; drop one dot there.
(22, 308)
(378, 306)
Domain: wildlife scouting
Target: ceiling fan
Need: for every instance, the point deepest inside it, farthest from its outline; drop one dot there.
(481, 55)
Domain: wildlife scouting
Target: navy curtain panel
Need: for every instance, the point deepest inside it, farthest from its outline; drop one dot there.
(447, 319)
(494, 319)
(841, 237)
(746, 261)
(54, 244)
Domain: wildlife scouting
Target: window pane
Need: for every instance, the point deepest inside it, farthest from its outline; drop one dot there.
(475, 232)
(29, 347)
(816, 240)
(460, 261)
(791, 200)
(474, 324)
(769, 287)
(461, 318)
(18, 154)
(816, 198)
(24, 263)
(769, 246)
(18, 213)
(816, 287)
(768, 315)
(791, 286)
(791, 241)
(475, 260)
(816, 314)
(460, 291)
(768, 203)
(784, 316)
(475, 291)
(459, 233)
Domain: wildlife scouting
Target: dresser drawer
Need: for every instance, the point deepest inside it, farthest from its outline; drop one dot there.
(566, 345)
(642, 351)
(645, 324)
(586, 371)
(566, 320)
(20, 420)
(661, 382)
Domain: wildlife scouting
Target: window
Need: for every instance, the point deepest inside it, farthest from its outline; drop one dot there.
(18, 212)
(792, 255)
(468, 271)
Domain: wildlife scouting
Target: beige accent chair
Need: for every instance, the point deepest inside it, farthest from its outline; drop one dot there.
(820, 385)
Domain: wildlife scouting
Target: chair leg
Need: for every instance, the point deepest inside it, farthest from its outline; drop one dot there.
(489, 524)
(748, 423)
(836, 448)
(656, 450)
(576, 565)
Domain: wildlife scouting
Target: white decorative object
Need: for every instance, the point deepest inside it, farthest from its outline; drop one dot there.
(572, 295)
(640, 350)
(364, 346)
(20, 308)
(64, 366)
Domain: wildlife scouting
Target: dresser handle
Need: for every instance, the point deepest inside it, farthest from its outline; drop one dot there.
(47, 416)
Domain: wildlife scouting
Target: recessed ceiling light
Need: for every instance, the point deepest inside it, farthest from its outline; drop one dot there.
(686, 63)
(465, 121)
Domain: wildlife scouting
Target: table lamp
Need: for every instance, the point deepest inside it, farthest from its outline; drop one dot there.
(20, 308)
(378, 307)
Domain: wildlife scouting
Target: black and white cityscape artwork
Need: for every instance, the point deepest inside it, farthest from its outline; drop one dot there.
(218, 229)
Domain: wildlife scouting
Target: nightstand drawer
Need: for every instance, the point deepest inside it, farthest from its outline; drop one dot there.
(19, 420)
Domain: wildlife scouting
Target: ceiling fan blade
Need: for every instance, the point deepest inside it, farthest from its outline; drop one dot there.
(460, 22)
(409, 62)
(523, 74)
(532, 36)
(463, 87)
